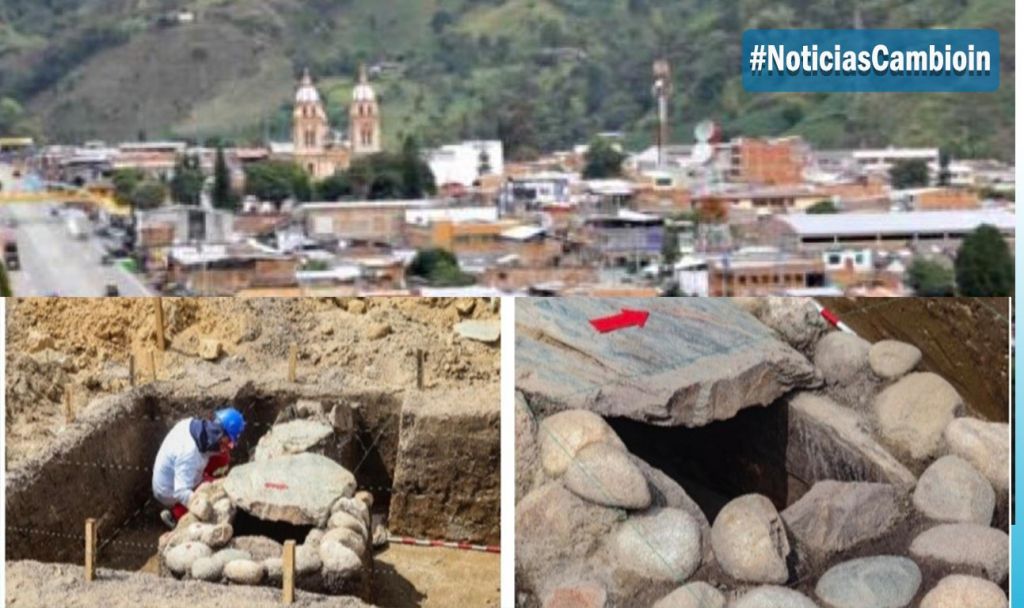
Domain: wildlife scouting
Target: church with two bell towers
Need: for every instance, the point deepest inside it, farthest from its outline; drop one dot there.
(315, 146)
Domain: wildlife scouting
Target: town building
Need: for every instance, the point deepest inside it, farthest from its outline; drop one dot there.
(892, 230)
(319, 149)
(465, 163)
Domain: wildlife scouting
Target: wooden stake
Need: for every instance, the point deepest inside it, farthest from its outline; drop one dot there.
(131, 369)
(288, 573)
(419, 368)
(90, 550)
(293, 360)
(158, 308)
(69, 413)
(152, 363)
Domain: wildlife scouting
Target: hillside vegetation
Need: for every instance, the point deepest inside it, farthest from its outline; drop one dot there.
(539, 74)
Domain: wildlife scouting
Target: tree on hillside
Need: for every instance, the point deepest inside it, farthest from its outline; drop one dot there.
(334, 188)
(438, 267)
(277, 181)
(984, 265)
(822, 208)
(670, 247)
(392, 176)
(148, 194)
(909, 174)
(125, 181)
(930, 279)
(602, 160)
(944, 172)
(222, 196)
(188, 180)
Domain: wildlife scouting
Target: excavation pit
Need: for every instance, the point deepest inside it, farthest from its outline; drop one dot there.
(100, 467)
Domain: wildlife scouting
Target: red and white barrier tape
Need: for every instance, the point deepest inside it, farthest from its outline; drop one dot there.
(832, 318)
(421, 542)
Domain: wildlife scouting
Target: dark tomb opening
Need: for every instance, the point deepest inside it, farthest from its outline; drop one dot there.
(722, 460)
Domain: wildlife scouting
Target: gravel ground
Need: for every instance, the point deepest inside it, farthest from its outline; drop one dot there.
(64, 586)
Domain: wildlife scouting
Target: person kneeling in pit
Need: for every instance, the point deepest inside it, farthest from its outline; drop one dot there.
(194, 452)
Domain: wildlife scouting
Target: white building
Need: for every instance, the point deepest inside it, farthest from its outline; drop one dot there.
(461, 163)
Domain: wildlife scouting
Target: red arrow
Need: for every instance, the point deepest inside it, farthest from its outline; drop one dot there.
(626, 318)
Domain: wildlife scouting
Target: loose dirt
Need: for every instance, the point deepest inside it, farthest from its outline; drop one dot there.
(84, 346)
(66, 587)
(409, 576)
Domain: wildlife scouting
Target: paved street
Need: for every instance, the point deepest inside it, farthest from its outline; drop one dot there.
(54, 263)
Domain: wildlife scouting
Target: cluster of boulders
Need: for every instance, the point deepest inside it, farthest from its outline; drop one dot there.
(294, 477)
(896, 497)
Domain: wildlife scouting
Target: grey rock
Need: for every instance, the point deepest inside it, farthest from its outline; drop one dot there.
(835, 516)
(841, 357)
(259, 548)
(750, 542)
(307, 559)
(207, 569)
(314, 537)
(297, 489)
(353, 540)
(695, 361)
(965, 549)
(212, 535)
(562, 435)
(770, 596)
(986, 445)
(480, 331)
(179, 559)
(354, 507)
(309, 408)
(951, 490)
(795, 320)
(342, 519)
(606, 475)
(274, 568)
(913, 413)
(870, 582)
(296, 437)
(958, 591)
(244, 572)
(226, 555)
(338, 559)
(199, 506)
(892, 359)
(662, 545)
(555, 531)
(223, 511)
(828, 441)
(693, 595)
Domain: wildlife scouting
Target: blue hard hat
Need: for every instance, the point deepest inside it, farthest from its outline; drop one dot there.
(232, 421)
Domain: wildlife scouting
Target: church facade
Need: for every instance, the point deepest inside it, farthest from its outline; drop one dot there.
(316, 147)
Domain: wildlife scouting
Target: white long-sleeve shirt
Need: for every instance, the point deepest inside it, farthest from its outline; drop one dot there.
(179, 466)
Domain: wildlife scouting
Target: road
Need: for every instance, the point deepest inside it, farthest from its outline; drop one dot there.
(53, 263)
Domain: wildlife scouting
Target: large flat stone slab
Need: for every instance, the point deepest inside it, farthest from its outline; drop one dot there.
(297, 489)
(695, 360)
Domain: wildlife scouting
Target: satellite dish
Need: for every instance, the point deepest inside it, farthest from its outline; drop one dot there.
(704, 131)
(701, 153)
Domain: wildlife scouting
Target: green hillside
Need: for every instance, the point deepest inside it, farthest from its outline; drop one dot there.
(539, 74)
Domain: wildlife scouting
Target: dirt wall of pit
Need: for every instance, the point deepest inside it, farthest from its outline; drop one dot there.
(950, 347)
(101, 465)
